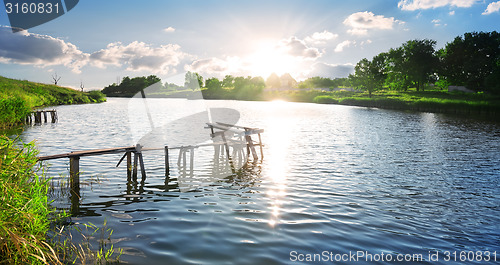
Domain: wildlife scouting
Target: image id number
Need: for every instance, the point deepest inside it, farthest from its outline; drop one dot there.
(470, 256)
(32, 8)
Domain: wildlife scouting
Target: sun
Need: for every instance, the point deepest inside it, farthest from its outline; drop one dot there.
(269, 57)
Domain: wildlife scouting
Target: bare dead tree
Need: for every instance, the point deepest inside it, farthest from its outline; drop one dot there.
(81, 85)
(56, 78)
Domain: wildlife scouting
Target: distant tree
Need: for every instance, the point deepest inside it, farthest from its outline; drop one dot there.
(367, 76)
(472, 60)
(273, 81)
(228, 81)
(131, 86)
(420, 61)
(56, 78)
(81, 85)
(213, 84)
(193, 81)
(317, 82)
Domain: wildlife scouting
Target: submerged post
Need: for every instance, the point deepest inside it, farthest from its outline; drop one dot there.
(129, 165)
(74, 173)
(261, 149)
(167, 166)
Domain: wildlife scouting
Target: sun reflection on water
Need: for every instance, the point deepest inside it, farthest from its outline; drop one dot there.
(279, 129)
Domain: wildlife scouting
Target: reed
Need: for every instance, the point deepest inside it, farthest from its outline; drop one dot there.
(26, 217)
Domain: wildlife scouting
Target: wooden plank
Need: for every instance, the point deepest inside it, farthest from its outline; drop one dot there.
(88, 153)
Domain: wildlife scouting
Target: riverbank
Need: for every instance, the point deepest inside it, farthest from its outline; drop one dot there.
(18, 98)
(435, 100)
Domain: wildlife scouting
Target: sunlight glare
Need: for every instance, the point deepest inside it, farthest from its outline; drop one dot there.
(269, 57)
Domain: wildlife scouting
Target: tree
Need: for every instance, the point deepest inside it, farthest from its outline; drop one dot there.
(420, 61)
(472, 60)
(367, 76)
(193, 81)
(213, 84)
(228, 81)
(56, 78)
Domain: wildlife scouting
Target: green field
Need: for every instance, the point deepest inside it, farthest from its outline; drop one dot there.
(439, 101)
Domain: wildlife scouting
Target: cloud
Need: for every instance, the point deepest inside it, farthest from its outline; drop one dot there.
(492, 8)
(452, 13)
(330, 70)
(340, 47)
(39, 50)
(139, 56)
(321, 37)
(361, 22)
(209, 66)
(169, 29)
(412, 5)
(298, 48)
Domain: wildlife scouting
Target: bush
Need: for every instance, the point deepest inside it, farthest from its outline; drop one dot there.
(13, 110)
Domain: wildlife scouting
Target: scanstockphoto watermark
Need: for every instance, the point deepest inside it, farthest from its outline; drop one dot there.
(365, 256)
(352, 256)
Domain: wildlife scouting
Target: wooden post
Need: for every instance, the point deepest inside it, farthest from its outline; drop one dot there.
(261, 149)
(225, 145)
(143, 169)
(138, 151)
(129, 165)
(191, 160)
(74, 173)
(167, 166)
(134, 169)
(38, 117)
(252, 147)
(184, 158)
(45, 116)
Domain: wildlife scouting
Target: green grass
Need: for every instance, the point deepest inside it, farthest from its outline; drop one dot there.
(24, 207)
(26, 216)
(426, 101)
(18, 98)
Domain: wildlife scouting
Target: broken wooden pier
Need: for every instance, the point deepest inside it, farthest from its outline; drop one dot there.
(224, 136)
(36, 117)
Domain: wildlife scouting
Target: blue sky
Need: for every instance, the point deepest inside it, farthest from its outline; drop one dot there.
(99, 41)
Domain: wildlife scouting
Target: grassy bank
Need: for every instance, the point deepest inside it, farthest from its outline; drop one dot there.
(26, 236)
(18, 98)
(426, 101)
(24, 207)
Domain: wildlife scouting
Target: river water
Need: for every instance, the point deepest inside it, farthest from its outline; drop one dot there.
(335, 180)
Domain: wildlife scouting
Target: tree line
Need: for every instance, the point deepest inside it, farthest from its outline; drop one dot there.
(471, 60)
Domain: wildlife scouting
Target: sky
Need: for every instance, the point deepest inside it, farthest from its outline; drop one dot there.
(99, 42)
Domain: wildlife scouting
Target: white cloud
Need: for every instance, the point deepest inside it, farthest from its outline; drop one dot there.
(139, 56)
(39, 50)
(329, 70)
(492, 8)
(298, 48)
(321, 37)
(209, 66)
(412, 5)
(340, 47)
(452, 13)
(361, 22)
(169, 29)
